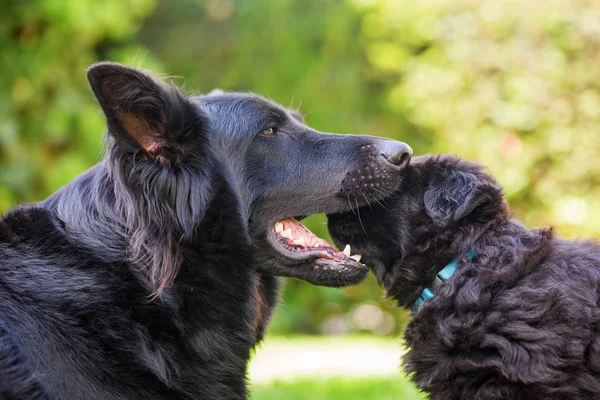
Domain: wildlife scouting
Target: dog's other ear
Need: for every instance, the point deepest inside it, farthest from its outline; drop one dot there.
(143, 111)
(454, 193)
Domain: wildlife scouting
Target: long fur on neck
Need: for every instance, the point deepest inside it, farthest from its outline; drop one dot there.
(136, 211)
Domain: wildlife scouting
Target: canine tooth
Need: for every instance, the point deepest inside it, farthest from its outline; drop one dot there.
(287, 234)
(279, 227)
(356, 257)
(347, 250)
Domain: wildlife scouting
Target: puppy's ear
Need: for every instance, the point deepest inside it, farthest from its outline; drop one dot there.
(454, 193)
(143, 111)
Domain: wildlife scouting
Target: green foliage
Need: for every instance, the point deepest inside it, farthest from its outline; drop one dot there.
(510, 83)
(333, 367)
(50, 125)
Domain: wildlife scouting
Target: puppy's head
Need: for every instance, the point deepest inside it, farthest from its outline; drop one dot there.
(440, 200)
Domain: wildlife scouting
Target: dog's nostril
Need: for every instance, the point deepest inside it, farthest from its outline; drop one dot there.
(403, 160)
(397, 153)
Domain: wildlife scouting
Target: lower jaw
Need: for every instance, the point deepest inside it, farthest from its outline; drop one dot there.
(319, 271)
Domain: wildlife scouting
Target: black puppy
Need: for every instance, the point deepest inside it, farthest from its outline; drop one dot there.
(500, 311)
(149, 276)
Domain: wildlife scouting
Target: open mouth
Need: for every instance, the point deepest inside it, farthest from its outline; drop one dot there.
(296, 242)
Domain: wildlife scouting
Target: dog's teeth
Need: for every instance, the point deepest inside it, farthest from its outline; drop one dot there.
(347, 250)
(287, 234)
(279, 227)
(317, 245)
(356, 257)
(300, 241)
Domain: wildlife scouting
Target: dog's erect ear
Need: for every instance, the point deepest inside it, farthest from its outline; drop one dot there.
(143, 111)
(453, 194)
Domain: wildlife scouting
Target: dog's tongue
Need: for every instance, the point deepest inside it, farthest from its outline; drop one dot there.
(298, 234)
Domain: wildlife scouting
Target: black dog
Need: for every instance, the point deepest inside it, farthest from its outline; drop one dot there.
(500, 311)
(150, 275)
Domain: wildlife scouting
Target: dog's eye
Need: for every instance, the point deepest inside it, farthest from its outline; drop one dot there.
(268, 132)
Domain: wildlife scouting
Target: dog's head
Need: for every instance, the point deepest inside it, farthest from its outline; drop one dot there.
(440, 198)
(172, 153)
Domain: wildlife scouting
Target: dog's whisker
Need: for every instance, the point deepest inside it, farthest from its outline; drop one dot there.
(384, 191)
(359, 219)
(379, 201)
(350, 204)
(381, 191)
(367, 200)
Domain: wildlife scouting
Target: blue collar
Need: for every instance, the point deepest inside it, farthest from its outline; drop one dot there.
(440, 278)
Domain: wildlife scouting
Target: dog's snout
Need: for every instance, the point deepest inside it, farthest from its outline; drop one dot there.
(396, 153)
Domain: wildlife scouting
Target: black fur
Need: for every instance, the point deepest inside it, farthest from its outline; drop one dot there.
(148, 276)
(520, 320)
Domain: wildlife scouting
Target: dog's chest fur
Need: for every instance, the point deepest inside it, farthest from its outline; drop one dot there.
(72, 315)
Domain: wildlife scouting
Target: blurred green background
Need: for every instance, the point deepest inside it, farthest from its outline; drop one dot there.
(510, 83)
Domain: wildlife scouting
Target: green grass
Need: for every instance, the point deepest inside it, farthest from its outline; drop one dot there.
(277, 374)
(306, 341)
(374, 388)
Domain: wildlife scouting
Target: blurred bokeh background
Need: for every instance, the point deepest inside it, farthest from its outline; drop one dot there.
(513, 84)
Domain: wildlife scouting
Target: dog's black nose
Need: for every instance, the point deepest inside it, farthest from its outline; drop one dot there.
(397, 153)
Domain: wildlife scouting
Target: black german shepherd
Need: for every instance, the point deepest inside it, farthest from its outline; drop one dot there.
(150, 276)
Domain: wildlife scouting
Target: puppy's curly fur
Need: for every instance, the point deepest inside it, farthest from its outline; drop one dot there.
(520, 320)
